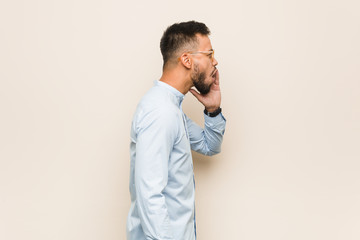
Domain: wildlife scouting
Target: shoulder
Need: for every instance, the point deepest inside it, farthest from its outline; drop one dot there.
(155, 95)
(156, 108)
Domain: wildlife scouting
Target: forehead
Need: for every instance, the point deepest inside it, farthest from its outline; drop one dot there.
(204, 42)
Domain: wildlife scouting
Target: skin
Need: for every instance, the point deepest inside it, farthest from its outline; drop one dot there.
(179, 75)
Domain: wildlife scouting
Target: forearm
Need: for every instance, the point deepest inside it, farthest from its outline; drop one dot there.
(153, 214)
(207, 141)
(150, 181)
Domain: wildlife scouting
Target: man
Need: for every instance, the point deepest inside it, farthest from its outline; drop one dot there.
(162, 185)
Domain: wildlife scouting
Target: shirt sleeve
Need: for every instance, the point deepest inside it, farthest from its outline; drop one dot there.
(207, 140)
(156, 136)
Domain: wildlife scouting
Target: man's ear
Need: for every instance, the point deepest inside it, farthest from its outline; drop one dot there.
(185, 60)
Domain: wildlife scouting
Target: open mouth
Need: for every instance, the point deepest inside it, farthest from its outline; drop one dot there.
(213, 74)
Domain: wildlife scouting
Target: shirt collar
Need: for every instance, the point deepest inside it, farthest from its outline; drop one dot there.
(178, 95)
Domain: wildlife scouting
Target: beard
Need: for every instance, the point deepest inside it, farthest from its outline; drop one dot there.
(198, 79)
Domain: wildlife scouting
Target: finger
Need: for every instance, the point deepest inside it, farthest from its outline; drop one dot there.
(195, 93)
(217, 82)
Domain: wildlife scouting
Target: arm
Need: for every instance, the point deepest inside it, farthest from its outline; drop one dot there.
(207, 141)
(155, 138)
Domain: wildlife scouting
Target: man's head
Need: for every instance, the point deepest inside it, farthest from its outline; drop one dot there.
(181, 37)
(188, 44)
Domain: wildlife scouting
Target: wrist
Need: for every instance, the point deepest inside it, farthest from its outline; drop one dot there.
(213, 113)
(211, 109)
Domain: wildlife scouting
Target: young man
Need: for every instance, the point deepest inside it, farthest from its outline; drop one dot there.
(161, 176)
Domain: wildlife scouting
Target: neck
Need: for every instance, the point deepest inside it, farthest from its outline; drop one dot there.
(178, 79)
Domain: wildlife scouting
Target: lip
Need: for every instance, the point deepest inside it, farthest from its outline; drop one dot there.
(213, 72)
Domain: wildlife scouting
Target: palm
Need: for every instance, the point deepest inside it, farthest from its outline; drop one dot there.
(212, 99)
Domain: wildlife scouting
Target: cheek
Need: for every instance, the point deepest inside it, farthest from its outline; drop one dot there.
(206, 68)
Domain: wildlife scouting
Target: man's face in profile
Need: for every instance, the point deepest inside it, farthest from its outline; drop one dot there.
(204, 66)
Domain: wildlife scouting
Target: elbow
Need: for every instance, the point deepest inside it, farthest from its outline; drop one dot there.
(212, 152)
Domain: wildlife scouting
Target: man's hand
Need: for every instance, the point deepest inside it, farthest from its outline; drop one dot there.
(212, 99)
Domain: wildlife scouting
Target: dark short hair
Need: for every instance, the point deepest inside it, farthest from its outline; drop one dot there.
(179, 36)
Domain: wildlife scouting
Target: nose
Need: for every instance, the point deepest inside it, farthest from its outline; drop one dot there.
(214, 62)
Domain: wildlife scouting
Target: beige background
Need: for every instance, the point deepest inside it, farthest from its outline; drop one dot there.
(72, 72)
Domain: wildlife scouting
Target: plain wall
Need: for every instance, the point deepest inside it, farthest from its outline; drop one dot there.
(73, 71)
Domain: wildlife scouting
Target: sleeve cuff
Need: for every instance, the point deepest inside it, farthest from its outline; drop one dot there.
(214, 120)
